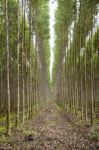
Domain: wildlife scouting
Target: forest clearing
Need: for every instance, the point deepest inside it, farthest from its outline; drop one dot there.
(49, 74)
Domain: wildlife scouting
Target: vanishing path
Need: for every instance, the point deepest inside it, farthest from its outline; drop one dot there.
(51, 129)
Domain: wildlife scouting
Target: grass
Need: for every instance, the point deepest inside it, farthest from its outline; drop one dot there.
(2, 130)
(27, 132)
(94, 132)
(4, 139)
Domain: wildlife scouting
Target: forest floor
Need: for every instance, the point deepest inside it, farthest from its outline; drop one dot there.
(50, 129)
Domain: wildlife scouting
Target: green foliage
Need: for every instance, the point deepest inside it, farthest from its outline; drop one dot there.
(64, 16)
(3, 139)
(42, 30)
(94, 133)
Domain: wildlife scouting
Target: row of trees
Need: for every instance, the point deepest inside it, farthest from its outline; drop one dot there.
(24, 58)
(76, 67)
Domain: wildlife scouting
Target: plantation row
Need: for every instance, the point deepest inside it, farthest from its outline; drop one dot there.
(76, 66)
(24, 59)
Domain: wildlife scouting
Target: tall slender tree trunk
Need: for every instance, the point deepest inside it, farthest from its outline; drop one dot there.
(92, 90)
(23, 61)
(18, 66)
(8, 71)
(29, 70)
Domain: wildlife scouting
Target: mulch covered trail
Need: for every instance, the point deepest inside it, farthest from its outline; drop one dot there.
(50, 129)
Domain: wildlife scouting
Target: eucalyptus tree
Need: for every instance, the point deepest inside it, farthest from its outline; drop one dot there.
(42, 36)
(23, 58)
(18, 63)
(26, 60)
(63, 20)
(1, 53)
(8, 71)
(77, 63)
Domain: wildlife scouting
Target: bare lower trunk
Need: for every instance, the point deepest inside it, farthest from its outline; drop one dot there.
(18, 68)
(8, 78)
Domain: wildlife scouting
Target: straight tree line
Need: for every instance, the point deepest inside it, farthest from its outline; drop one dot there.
(76, 85)
(24, 59)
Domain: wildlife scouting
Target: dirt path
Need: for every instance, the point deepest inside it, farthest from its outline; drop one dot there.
(50, 129)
